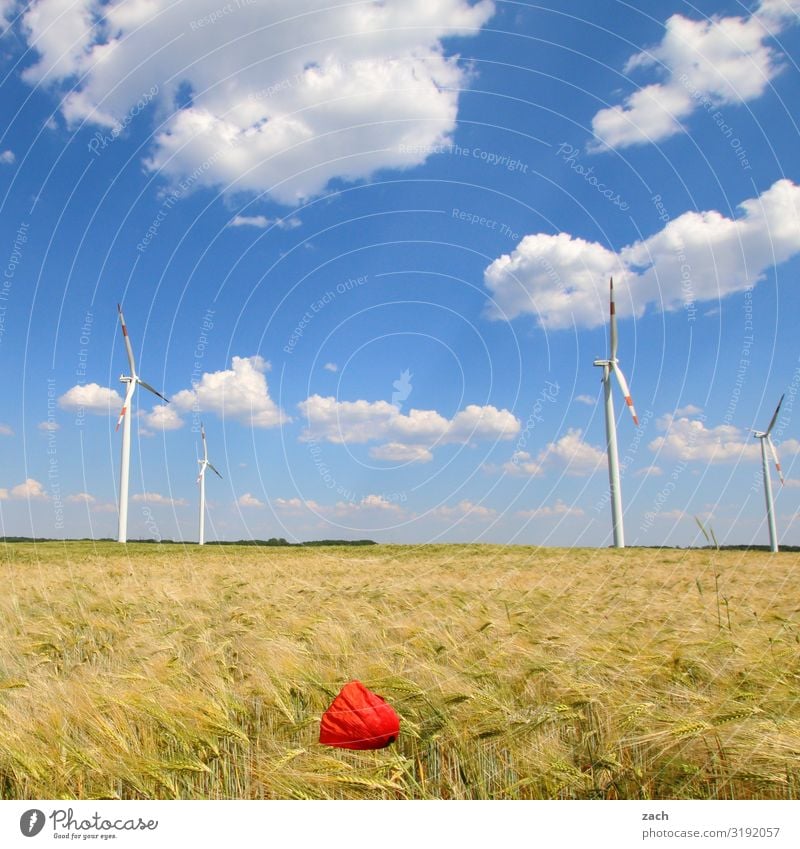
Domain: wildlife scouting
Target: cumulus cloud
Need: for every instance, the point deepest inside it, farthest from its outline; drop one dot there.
(570, 454)
(691, 439)
(397, 452)
(162, 417)
(7, 157)
(705, 64)
(589, 400)
(248, 500)
(296, 505)
(279, 97)
(331, 367)
(649, 472)
(347, 422)
(48, 426)
(91, 398)
(369, 505)
(30, 490)
(81, 498)
(463, 510)
(699, 256)
(6, 430)
(157, 498)
(560, 508)
(261, 222)
(240, 393)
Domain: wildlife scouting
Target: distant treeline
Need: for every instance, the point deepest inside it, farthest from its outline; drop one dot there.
(273, 541)
(281, 542)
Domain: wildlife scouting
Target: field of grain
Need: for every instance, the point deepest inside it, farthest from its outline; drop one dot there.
(176, 672)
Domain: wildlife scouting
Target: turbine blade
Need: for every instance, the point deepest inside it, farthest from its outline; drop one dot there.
(613, 318)
(775, 414)
(205, 447)
(125, 403)
(202, 472)
(775, 457)
(623, 385)
(127, 339)
(149, 388)
(214, 470)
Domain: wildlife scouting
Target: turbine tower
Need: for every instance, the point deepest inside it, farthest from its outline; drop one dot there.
(608, 366)
(765, 438)
(132, 380)
(201, 479)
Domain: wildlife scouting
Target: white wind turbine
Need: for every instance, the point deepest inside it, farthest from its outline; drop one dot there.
(765, 438)
(132, 380)
(609, 365)
(201, 479)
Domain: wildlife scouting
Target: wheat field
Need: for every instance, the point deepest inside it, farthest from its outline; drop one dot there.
(164, 671)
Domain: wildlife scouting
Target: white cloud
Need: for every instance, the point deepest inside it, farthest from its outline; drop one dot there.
(368, 504)
(92, 398)
(690, 439)
(589, 400)
(397, 452)
(296, 505)
(331, 367)
(240, 393)
(366, 507)
(30, 490)
(522, 463)
(261, 222)
(162, 417)
(157, 498)
(706, 64)
(7, 157)
(248, 500)
(6, 430)
(7, 7)
(688, 410)
(560, 508)
(649, 472)
(463, 510)
(82, 498)
(570, 453)
(285, 95)
(699, 256)
(105, 507)
(346, 422)
(49, 426)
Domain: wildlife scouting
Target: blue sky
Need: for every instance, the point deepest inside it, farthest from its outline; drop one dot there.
(368, 244)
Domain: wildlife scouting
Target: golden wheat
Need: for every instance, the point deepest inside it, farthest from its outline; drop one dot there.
(162, 671)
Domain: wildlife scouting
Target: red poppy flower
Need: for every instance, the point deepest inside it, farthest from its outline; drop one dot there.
(359, 719)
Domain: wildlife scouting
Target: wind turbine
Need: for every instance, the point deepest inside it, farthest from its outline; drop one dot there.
(767, 440)
(201, 479)
(132, 380)
(609, 365)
